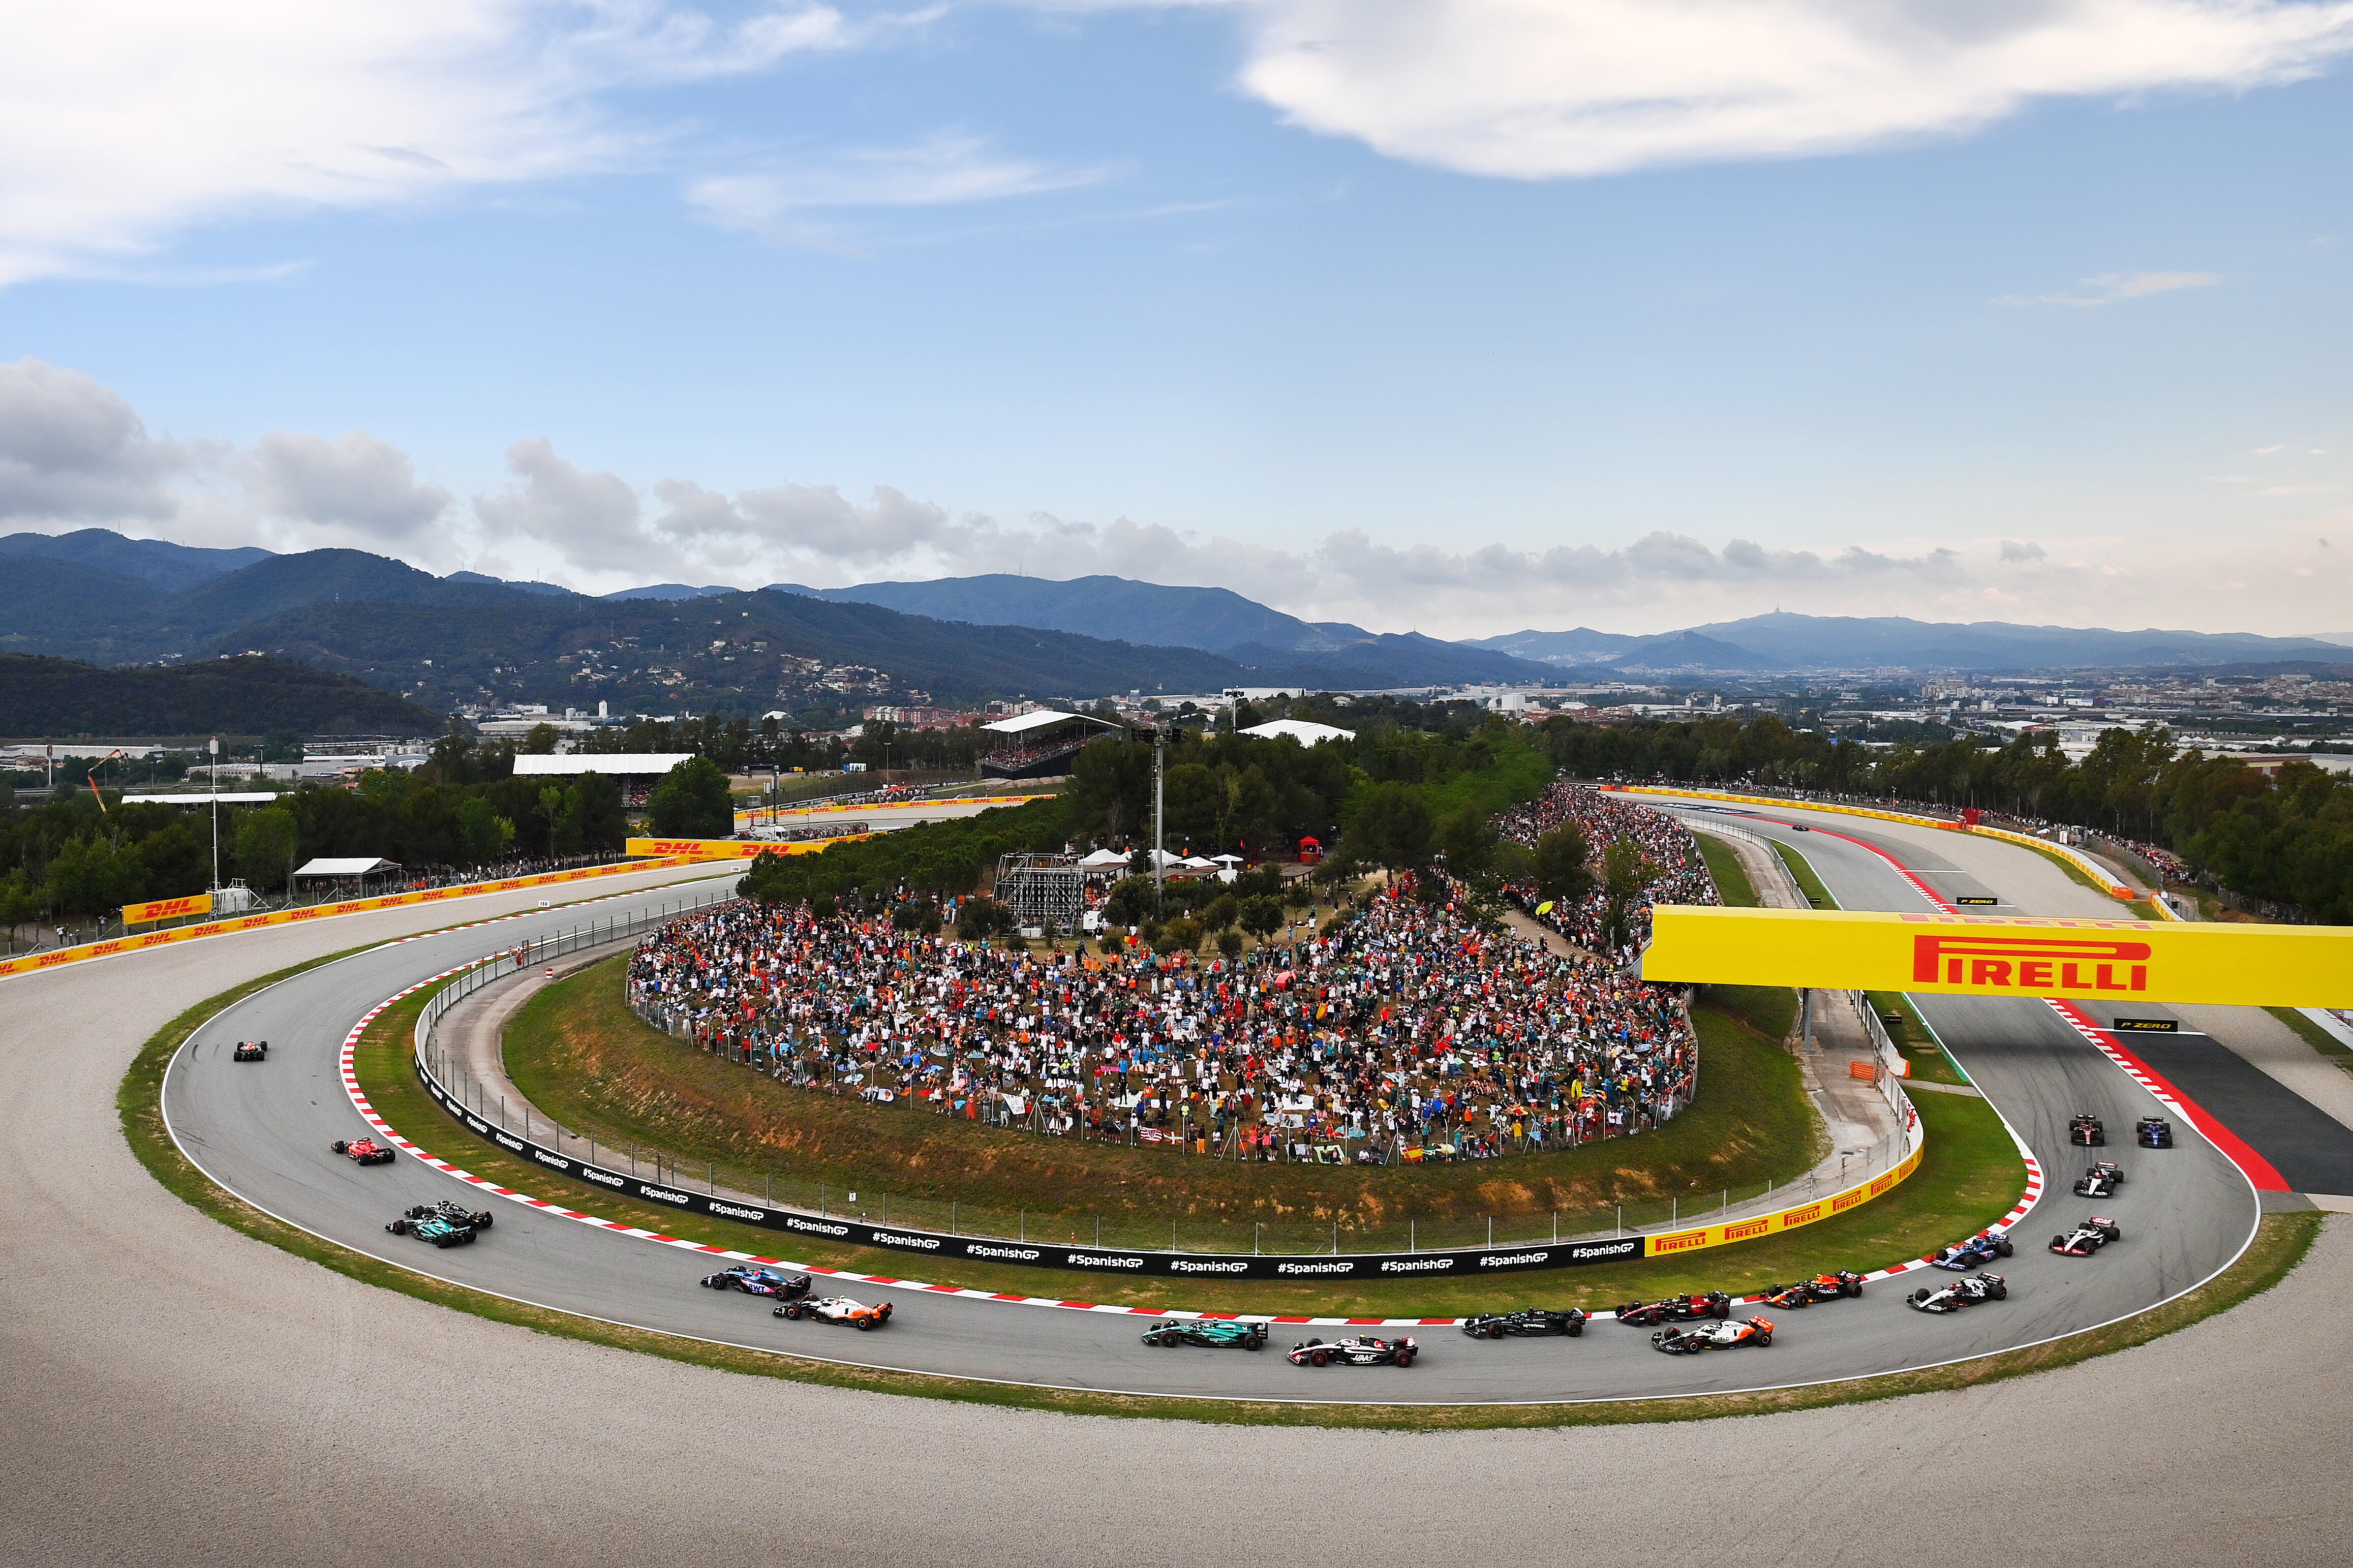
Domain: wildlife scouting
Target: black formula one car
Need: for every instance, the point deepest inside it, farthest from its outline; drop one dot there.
(1983, 1247)
(1960, 1293)
(1820, 1288)
(250, 1051)
(753, 1281)
(427, 1225)
(455, 1214)
(1367, 1351)
(1532, 1322)
(2100, 1180)
(2087, 1237)
(1676, 1309)
(2086, 1129)
(2154, 1133)
(1208, 1332)
(1714, 1336)
(364, 1151)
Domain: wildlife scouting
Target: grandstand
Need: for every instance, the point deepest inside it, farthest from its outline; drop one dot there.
(1037, 745)
(637, 772)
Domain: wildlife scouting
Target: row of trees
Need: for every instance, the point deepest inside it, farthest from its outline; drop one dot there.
(2286, 838)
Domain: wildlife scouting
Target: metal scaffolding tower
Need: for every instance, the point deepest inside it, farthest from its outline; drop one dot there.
(1043, 892)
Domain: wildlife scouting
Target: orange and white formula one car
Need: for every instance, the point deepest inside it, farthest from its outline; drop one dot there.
(836, 1310)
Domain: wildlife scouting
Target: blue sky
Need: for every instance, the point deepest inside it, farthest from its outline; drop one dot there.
(1462, 317)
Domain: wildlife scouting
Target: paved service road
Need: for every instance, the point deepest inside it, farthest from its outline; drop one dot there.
(177, 1393)
(262, 1132)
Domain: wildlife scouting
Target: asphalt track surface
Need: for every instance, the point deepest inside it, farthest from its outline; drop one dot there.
(262, 1130)
(178, 1393)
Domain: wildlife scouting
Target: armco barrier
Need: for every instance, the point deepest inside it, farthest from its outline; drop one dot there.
(1502, 1260)
(40, 960)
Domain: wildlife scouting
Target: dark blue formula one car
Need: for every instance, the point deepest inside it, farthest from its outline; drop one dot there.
(2154, 1133)
(1978, 1250)
(752, 1281)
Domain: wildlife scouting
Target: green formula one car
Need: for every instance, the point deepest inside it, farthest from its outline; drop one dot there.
(1213, 1334)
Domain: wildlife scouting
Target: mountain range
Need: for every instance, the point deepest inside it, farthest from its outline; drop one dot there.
(97, 596)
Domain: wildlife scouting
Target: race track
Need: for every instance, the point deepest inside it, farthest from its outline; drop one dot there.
(262, 1132)
(179, 1393)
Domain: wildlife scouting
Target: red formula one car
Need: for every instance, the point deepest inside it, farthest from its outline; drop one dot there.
(1676, 1309)
(364, 1151)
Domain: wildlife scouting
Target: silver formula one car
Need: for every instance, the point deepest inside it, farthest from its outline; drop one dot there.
(1959, 1293)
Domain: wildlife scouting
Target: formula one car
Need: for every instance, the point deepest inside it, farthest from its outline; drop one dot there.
(1532, 1322)
(455, 1214)
(836, 1310)
(1983, 1247)
(1714, 1336)
(1676, 1309)
(1960, 1293)
(1820, 1288)
(433, 1227)
(366, 1151)
(2101, 1180)
(2087, 1237)
(1365, 1352)
(753, 1281)
(250, 1051)
(2154, 1133)
(1209, 1334)
(2087, 1129)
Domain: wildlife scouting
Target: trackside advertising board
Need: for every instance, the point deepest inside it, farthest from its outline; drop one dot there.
(155, 910)
(727, 848)
(2120, 961)
(1503, 1259)
(51, 959)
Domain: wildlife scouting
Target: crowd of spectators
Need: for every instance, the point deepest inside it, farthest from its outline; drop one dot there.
(1405, 1029)
(1669, 871)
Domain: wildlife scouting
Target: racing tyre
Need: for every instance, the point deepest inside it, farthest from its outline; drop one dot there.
(336, 1147)
(1764, 1336)
(1721, 1310)
(1494, 1331)
(864, 1324)
(1577, 1330)
(484, 1221)
(399, 1228)
(1918, 1296)
(2058, 1244)
(1254, 1345)
(2001, 1293)
(1405, 1358)
(1854, 1290)
(1318, 1358)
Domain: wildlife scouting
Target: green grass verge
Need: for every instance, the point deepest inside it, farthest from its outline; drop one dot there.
(2279, 1246)
(1968, 1178)
(577, 1053)
(1731, 876)
(2313, 1035)
(1917, 1040)
(1802, 869)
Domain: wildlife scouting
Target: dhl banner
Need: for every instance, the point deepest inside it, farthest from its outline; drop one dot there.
(2136, 960)
(1764, 1224)
(156, 910)
(2082, 862)
(729, 848)
(32, 963)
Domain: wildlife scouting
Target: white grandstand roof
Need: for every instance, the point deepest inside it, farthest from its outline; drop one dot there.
(1022, 723)
(226, 797)
(1301, 731)
(573, 766)
(365, 866)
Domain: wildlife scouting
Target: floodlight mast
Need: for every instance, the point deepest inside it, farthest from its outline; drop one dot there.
(214, 745)
(1159, 836)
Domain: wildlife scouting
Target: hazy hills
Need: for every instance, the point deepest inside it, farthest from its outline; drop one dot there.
(57, 697)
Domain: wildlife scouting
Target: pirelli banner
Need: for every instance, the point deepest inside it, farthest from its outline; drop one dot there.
(2117, 961)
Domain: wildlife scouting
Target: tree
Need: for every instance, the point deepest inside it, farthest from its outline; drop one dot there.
(540, 741)
(1468, 839)
(93, 877)
(1624, 873)
(693, 801)
(266, 845)
(1392, 827)
(483, 836)
(1563, 869)
(1261, 915)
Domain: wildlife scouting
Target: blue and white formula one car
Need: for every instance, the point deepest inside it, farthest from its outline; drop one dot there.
(1983, 1247)
(753, 1281)
(1959, 1293)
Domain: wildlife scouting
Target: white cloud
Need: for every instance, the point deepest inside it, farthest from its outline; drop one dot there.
(353, 482)
(123, 122)
(1541, 88)
(947, 167)
(2017, 551)
(592, 520)
(2114, 287)
(74, 451)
